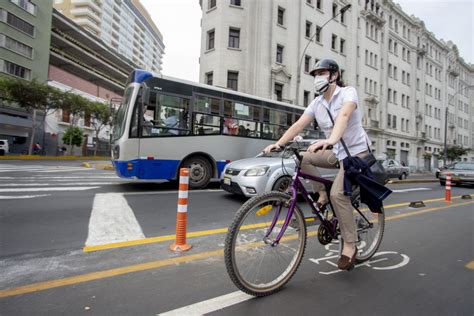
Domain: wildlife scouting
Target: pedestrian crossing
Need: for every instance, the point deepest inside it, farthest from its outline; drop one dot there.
(40, 168)
(33, 181)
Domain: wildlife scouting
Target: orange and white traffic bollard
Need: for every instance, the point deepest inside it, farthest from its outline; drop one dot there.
(181, 218)
(448, 188)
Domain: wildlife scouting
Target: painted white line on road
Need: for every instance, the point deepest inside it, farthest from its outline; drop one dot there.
(48, 184)
(48, 189)
(171, 192)
(211, 305)
(112, 220)
(412, 189)
(14, 197)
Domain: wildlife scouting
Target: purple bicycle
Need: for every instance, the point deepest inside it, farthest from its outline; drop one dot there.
(266, 241)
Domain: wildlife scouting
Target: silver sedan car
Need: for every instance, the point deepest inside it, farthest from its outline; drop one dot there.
(266, 172)
(461, 173)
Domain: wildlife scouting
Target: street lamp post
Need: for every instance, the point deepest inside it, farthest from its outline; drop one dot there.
(298, 76)
(446, 123)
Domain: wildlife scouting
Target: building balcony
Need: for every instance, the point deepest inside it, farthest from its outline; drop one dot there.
(84, 21)
(453, 71)
(91, 3)
(373, 16)
(86, 12)
(421, 50)
(421, 135)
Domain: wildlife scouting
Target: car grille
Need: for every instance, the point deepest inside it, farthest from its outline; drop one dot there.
(232, 188)
(232, 172)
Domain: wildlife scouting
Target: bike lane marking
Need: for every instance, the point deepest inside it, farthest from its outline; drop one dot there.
(40, 286)
(201, 233)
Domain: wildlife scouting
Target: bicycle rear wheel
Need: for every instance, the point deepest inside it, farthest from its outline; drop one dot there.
(370, 232)
(254, 264)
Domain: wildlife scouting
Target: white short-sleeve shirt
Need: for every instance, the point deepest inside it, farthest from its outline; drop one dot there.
(354, 136)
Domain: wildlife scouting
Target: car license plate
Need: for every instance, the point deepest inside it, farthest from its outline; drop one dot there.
(227, 181)
(456, 178)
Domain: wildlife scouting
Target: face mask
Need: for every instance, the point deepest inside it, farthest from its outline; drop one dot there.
(321, 84)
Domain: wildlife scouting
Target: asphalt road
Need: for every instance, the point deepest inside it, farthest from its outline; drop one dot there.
(57, 219)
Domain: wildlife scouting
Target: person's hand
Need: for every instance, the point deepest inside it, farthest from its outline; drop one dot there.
(269, 148)
(320, 144)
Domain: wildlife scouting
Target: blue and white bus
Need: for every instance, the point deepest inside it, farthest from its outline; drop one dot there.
(164, 124)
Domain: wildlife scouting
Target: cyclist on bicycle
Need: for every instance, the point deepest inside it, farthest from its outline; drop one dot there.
(342, 102)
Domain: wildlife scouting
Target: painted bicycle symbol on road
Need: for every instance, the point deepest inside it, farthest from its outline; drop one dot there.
(383, 260)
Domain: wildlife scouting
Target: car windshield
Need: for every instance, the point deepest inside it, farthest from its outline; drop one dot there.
(2, 142)
(464, 166)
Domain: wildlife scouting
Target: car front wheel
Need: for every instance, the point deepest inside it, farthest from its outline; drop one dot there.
(282, 184)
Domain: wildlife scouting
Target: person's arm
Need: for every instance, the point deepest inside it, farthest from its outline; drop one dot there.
(296, 128)
(340, 126)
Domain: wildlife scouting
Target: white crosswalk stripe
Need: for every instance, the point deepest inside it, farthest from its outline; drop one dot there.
(34, 181)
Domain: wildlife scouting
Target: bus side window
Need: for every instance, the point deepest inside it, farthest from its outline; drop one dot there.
(136, 115)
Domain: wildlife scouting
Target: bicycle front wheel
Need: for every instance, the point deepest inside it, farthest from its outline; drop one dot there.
(256, 264)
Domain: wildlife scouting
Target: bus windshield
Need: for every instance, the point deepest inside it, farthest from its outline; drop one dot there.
(120, 117)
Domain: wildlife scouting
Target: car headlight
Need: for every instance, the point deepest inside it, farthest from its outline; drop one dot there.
(257, 171)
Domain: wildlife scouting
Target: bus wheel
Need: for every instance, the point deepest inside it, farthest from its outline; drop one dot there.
(199, 172)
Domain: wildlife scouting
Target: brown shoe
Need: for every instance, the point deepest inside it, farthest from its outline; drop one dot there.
(346, 263)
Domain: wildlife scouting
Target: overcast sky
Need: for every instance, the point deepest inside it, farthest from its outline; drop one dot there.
(179, 22)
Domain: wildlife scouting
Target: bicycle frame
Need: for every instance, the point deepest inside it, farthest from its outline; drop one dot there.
(296, 186)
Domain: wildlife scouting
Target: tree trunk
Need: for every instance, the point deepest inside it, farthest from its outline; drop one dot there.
(33, 132)
(96, 143)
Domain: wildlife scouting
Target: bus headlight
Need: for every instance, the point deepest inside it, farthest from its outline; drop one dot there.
(116, 152)
(257, 171)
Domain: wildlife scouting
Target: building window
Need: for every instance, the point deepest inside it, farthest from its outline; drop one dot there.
(235, 2)
(307, 62)
(234, 38)
(318, 34)
(212, 4)
(279, 91)
(279, 55)
(210, 39)
(341, 47)
(281, 16)
(209, 78)
(309, 1)
(319, 4)
(15, 46)
(305, 98)
(15, 70)
(308, 28)
(333, 42)
(334, 10)
(25, 5)
(233, 80)
(342, 16)
(17, 23)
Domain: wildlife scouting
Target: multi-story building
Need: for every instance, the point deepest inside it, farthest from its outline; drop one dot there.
(124, 25)
(25, 31)
(83, 64)
(405, 76)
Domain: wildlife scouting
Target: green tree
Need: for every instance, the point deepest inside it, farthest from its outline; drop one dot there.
(32, 96)
(100, 116)
(73, 136)
(455, 152)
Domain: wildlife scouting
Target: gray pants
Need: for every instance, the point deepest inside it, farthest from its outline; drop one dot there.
(342, 203)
